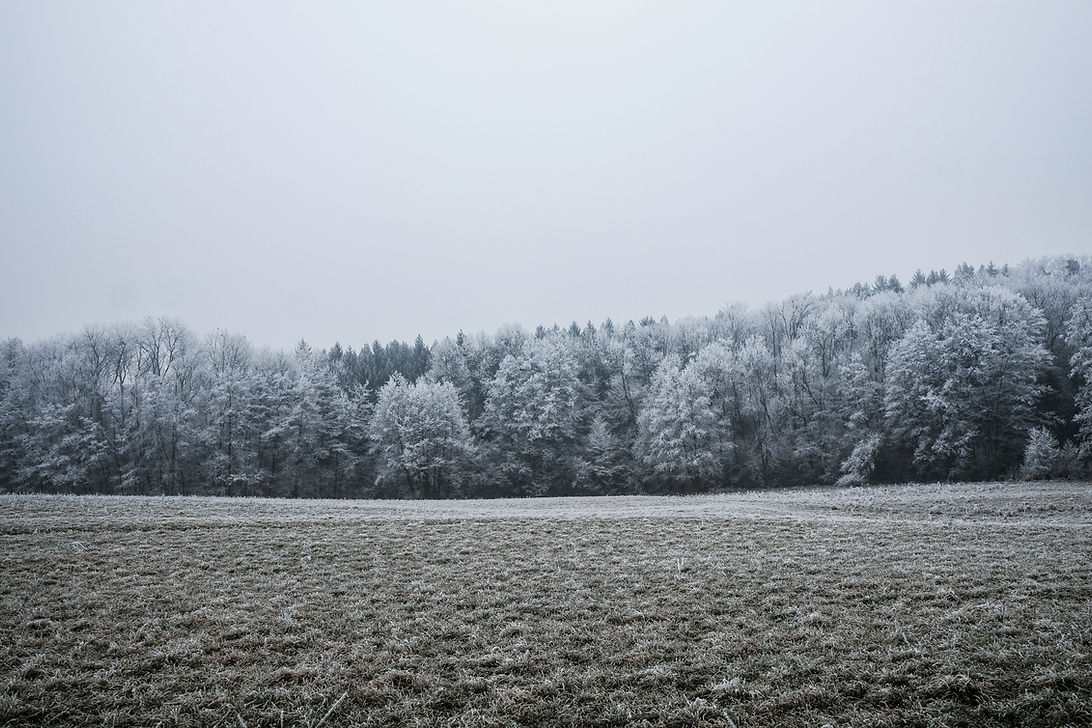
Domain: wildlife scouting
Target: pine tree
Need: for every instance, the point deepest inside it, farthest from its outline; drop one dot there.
(602, 466)
(1041, 456)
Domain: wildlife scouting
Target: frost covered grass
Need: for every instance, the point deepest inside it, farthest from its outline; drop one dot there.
(909, 605)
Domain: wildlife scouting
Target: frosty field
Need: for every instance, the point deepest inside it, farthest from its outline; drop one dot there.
(909, 605)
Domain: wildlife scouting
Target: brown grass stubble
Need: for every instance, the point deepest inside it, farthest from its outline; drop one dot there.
(867, 607)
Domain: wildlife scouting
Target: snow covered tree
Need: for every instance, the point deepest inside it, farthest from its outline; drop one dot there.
(684, 433)
(962, 390)
(879, 322)
(276, 393)
(225, 397)
(421, 437)
(532, 418)
(1041, 456)
(322, 431)
(15, 405)
(858, 407)
(761, 443)
(448, 364)
(943, 379)
(162, 429)
(602, 467)
(1079, 337)
(67, 452)
(813, 377)
(857, 468)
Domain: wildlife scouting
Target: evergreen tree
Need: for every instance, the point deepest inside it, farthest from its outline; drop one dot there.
(602, 468)
(1042, 456)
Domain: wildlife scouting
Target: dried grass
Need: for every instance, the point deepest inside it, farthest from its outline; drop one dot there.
(943, 605)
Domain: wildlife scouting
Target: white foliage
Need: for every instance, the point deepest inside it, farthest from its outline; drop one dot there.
(858, 467)
(1042, 455)
(962, 383)
(421, 436)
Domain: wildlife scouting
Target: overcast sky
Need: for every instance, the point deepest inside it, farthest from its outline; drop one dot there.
(374, 170)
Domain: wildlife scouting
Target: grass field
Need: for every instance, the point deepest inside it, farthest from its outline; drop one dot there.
(910, 605)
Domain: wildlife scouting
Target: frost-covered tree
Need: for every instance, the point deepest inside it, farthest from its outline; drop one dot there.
(226, 393)
(757, 390)
(857, 468)
(879, 322)
(962, 385)
(322, 430)
(421, 437)
(624, 391)
(684, 433)
(812, 373)
(162, 429)
(531, 423)
(15, 407)
(69, 440)
(1042, 455)
(67, 452)
(602, 467)
(448, 363)
(1079, 337)
(858, 421)
(943, 379)
(273, 409)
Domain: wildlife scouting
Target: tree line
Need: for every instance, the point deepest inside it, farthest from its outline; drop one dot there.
(980, 374)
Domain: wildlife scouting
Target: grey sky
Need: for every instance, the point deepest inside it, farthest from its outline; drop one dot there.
(374, 170)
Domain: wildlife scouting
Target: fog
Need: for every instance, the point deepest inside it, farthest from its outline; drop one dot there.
(371, 171)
